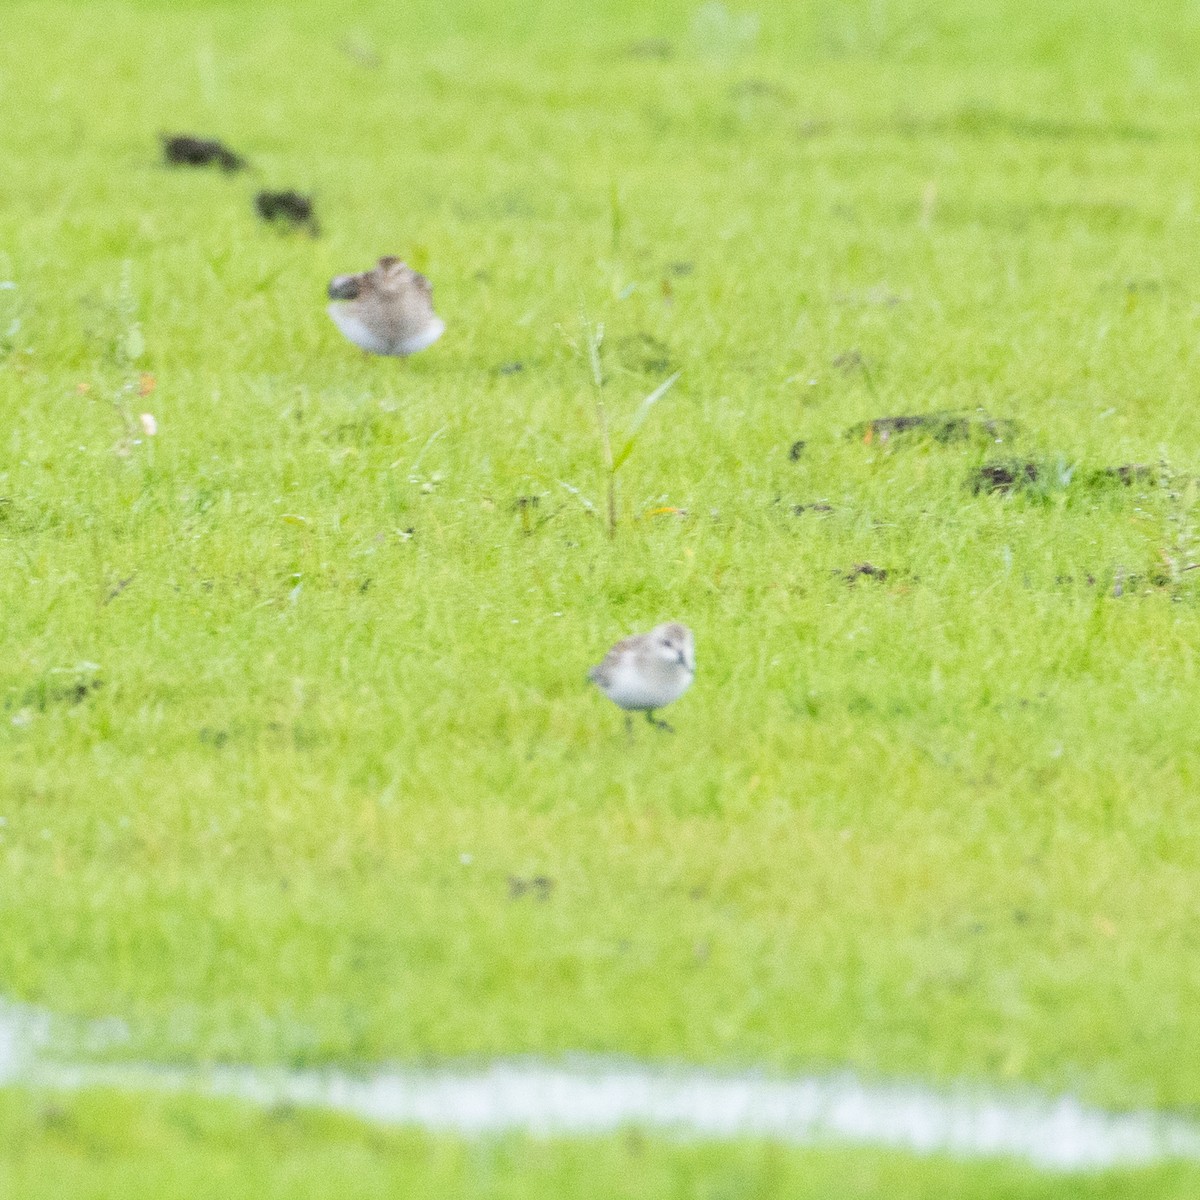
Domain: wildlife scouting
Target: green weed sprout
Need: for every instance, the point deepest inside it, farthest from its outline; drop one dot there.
(593, 336)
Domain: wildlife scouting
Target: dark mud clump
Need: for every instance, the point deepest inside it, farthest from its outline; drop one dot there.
(287, 208)
(942, 427)
(1004, 477)
(183, 150)
(800, 509)
(796, 450)
(1023, 475)
(865, 570)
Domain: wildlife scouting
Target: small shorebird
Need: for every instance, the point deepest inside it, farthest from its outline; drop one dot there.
(387, 310)
(647, 671)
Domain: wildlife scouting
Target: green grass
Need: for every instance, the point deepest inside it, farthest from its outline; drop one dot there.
(939, 824)
(108, 1145)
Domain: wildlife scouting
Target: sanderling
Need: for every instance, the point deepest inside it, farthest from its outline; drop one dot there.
(647, 671)
(387, 310)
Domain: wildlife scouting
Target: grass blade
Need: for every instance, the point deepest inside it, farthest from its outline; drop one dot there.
(639, 418)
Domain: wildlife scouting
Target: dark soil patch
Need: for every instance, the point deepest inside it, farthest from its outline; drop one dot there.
(184, 150)
(796, 450)
(865, 570)
(943, 427)
(510, 368)
(800, 509)
(287, 208)
(1025, 475)
(1004, 477)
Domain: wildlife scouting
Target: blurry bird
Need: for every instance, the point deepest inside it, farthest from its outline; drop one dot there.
(647, 671)
(181, 149)
(288, 208)
(387, 310)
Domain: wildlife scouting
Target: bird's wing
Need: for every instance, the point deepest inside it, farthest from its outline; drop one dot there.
(603, 673)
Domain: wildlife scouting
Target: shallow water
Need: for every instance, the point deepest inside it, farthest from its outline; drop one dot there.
(580, 1096)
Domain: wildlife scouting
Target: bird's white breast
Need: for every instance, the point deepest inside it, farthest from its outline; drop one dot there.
(355, 329)
(632, 687)
(426, 337)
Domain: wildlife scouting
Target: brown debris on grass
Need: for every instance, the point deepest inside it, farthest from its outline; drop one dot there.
(1025, 475)
(865, 570)
(1004, 477)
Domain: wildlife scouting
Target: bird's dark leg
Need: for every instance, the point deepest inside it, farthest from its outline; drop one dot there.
(629, 727)
(656, 722)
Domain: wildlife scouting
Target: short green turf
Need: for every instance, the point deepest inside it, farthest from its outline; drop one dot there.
(106, 1146)
(292, 693)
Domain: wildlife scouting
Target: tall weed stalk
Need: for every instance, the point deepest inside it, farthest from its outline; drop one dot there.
(593, 338)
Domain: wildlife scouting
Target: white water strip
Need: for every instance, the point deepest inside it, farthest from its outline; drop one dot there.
(587, 1096)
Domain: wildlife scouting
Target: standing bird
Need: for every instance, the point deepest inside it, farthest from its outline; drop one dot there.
(387, 310)
(647, 671)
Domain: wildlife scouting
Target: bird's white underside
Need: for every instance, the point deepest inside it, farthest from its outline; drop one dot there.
(356, 330)
(631, 688)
